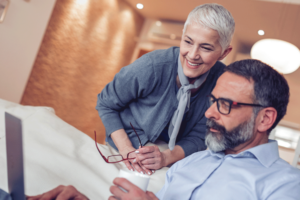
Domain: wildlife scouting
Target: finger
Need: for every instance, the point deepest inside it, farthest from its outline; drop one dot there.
(153, 164)
(153, 167)
(137, 167)
(147, 171)
(146, 149)
(149, 161)
(116, 191)
(128, 165)
(70, 192)
(125, 184)
(141, 157)
(34, 197)
(112, 198)
(52, 194)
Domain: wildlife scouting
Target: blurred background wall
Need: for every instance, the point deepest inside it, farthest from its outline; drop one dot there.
(85, 44)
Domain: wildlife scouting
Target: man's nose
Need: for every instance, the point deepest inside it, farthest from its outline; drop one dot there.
(212, 111)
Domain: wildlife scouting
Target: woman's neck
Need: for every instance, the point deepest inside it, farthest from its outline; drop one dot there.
(191, 81)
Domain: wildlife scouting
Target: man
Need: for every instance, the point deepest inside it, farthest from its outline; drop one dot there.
(248, 101)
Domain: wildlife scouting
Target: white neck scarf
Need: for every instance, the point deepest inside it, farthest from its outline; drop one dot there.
(183, 96)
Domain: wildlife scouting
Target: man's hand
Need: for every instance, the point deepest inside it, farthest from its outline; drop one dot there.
(134, 192)
(60, 193)
(151, 157)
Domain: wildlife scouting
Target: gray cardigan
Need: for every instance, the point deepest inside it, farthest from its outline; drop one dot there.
(144, 94)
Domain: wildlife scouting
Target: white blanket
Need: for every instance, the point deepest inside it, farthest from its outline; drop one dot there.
(56, 153)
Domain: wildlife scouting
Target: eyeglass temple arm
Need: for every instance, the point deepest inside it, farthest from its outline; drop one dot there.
(136, 133)
(98, 148)
(247, 104)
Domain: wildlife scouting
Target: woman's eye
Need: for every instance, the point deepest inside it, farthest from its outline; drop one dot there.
(207, 49)
(189, 42)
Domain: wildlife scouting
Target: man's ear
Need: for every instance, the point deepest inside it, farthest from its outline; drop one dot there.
(226, 52)
(266, 118)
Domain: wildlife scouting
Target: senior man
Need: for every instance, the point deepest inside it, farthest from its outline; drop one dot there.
(248, 101)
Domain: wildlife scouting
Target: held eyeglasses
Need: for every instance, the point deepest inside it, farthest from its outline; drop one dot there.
(119, 157)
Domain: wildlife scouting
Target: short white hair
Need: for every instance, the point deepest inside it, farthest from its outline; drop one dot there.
(216, 17)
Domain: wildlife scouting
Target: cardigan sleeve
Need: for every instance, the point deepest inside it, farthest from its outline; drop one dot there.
(195, 140)
(132, 82)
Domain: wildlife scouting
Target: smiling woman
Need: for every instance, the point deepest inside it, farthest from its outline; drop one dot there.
(3, 9)
(161, 90)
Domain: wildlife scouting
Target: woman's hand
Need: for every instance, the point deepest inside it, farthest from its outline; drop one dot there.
(151, 157)
(131, 164)
(124, 146)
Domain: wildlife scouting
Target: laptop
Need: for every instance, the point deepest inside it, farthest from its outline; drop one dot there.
(14, 157)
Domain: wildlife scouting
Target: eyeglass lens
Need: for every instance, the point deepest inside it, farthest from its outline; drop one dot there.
(222, 104)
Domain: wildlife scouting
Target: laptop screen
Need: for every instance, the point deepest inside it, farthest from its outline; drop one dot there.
(14, 156)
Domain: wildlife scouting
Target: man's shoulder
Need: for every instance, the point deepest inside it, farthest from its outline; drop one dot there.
(284, 168)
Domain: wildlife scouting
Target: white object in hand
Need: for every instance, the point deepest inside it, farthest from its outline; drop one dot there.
(136, 178)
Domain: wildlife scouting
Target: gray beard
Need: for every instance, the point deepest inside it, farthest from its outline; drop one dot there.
(228, 139)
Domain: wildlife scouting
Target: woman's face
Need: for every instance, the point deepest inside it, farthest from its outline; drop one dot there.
(200, 50)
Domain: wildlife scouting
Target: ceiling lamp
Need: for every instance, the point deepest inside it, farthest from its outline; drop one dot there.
(282, 56)
(140, 6)
(261, 32)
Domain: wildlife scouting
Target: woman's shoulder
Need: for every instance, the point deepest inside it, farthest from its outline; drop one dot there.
(162, 61)
(162, 56)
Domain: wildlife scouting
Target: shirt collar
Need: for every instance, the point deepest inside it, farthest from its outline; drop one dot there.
(266, 154)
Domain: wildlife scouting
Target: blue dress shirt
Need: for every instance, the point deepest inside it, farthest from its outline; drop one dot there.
(257, 173)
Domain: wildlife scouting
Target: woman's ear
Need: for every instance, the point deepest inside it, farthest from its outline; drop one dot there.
(226, 52)
(266, 118)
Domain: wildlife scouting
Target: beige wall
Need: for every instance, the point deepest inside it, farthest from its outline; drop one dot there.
(86, 43)
(21, 34)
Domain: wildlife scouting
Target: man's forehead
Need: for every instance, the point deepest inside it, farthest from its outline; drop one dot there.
(233, 86)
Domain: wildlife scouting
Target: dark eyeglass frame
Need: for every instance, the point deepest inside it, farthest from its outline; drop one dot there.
(230, 103)
(107, 159)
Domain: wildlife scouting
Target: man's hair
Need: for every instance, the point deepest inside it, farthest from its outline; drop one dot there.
(216, 17)
(270, 88)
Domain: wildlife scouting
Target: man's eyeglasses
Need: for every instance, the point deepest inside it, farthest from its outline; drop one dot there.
(224, 105)
(118, 158)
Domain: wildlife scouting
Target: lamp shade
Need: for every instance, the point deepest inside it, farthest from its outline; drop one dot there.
(282, 56)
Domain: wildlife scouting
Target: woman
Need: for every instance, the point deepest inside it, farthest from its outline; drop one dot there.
(163, 93)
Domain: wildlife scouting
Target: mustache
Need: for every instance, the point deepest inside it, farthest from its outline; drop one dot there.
(210, 123)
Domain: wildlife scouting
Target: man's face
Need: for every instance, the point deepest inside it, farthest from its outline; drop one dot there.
(200, 50)
(238, 127)
(228, 139)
